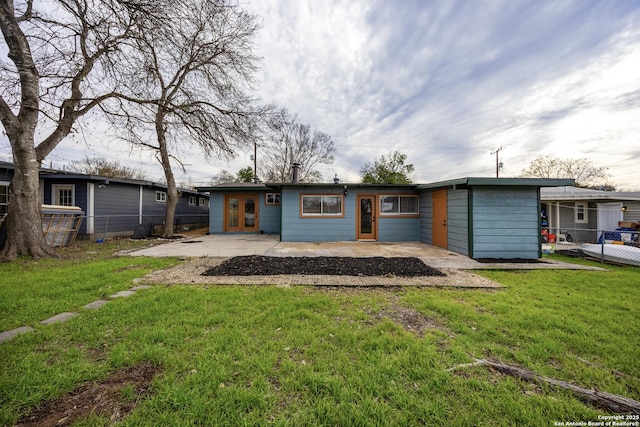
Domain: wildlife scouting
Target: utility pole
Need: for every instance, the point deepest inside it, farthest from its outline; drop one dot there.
(498, 163)
(255, 162)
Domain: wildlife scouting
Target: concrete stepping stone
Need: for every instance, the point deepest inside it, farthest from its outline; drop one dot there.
(123, 294)
(7, 335)
(139, 287)
(95, 305)
(59, 318)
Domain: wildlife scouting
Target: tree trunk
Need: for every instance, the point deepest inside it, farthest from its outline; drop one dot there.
(24, 221)
(172, 191)
(172, 202)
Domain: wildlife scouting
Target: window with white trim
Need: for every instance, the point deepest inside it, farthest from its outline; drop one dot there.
(272, 199)
(203, 201)
(63, 195)
(4, 197)
(322, 205)
(581, 213)
(399, 205)
(193, 200)
(161, 197)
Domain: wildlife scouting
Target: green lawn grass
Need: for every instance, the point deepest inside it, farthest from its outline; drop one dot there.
(266, 355)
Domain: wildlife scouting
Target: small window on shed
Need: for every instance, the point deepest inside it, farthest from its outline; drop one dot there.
(161, 197)
(192, 200)
(272, 199)
(202, 201)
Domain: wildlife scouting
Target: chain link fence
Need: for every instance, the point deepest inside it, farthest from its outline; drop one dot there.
(136, 226)
(621, 245)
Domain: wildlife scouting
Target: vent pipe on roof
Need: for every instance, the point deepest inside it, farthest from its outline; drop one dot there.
(296, 171)
(336, 180)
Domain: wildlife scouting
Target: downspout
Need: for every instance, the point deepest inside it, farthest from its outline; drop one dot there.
(281, 203)
(540, 223)
(140, 205)
(90, 208)
(470, 221)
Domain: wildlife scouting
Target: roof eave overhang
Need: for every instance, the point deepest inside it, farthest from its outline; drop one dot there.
(496, 182)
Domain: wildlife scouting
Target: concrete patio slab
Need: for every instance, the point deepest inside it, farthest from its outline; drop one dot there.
(231, 245)
(213, 246)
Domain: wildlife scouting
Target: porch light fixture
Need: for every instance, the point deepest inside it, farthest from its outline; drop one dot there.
(624, 208)
(345, 190)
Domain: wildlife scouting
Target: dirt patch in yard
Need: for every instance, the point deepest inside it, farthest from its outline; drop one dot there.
(112, 398)
(255, 265)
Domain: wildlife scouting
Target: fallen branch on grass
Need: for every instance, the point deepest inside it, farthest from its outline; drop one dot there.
(602, 399)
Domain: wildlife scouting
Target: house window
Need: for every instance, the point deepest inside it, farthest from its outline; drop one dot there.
(581, 213)
(161, 197)
(272, 199)
(399, 205)
(63, 195)
(4, 198)
(192, 200)
(203, 201)
(322, 205)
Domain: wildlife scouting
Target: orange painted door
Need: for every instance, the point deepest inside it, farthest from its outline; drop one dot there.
(366, 223)
(440, 218)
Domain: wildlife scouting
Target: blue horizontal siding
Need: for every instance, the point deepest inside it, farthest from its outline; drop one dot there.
(269, 218)
(506, 223)
(329, 229)
(458, 221)
(398, 229)
(216, 213)
(268, 215)
(426, 217)
(332, 229)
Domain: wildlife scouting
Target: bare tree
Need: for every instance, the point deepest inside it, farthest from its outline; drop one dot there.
(582, 171)
(103, 167)
(187, 85)
(57, 72)
(289, 142)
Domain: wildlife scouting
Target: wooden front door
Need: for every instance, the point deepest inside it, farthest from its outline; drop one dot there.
(241, 213)
(366, 221)
(440, 218)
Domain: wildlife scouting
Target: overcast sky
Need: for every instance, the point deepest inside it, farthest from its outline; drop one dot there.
(448, 82)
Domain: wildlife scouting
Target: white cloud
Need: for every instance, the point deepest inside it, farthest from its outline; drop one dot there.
(448, 82)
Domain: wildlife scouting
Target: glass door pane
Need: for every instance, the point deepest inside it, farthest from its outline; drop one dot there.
(249, 212)
(366, 223)
(366, 227)
(232, 212)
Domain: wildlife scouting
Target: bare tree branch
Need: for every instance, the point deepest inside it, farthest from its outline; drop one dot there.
(289, 142)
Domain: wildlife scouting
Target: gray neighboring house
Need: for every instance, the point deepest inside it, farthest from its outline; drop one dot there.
(112, 207)
(477, 217)
(584, 211)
